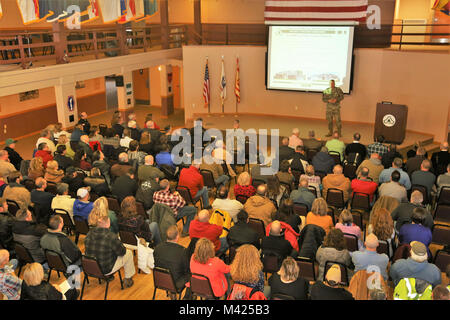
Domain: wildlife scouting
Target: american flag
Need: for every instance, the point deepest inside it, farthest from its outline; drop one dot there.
(237, 86)
(206, 93)
(315, 10)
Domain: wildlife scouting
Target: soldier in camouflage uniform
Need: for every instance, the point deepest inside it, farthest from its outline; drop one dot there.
(333, 96)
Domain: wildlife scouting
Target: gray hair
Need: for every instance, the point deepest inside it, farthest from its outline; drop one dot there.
(61, 188)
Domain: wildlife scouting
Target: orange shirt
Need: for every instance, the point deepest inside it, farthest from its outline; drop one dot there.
(322, 221)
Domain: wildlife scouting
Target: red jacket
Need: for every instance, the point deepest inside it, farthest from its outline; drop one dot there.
(368, 187)
(45, 155)
(206, 230)
(289, 234)
(191, 178)
(215, 269)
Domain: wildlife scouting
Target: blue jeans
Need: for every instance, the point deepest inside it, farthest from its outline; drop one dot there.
(222, 180)
(189, 212)
(154, 229)
(205, 197)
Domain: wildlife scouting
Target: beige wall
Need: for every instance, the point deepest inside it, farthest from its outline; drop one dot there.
(11, 104)
(419, 80)
(155, 87)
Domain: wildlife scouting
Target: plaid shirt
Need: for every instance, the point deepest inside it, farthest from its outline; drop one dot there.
(105, 246)
(377, 148)
(174, 201)
(10, 285)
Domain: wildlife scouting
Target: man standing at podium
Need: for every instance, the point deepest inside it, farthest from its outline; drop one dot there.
(333, 96)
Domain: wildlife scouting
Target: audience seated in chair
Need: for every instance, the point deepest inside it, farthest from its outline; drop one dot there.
(241, 233)
(260, 206)
(330, 289)
(10, 284)
(303, 195)
(100, 209)
(223, 202)
(374, 165)
(16, 191)
(337, 180)
(125, 185)
(319, 215)
(368, 258)
(287, 281)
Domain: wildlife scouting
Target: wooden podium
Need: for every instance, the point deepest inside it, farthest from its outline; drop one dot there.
(390, 122)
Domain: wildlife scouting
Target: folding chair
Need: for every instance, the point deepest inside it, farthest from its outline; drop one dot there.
(335, 198)
(67, 220)
(163, 279)
(336, 156)
(201, 287)
(81, 227)
(444, 196)
(186, 194)
(270, 262)
(55, 262)
(91, 268)
(442, 259)
(440, 234)
(300, 209)
(113, 204)
(23, 255)
(442, 212)
(307, 268)
(360, 201)
(208, 179)
(313, 190)
(351, 241)
(258, 226)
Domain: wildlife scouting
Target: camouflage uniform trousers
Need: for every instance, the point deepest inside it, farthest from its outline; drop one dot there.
(334, 111)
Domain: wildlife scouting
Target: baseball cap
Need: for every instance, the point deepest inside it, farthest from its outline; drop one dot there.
(10, 141)
(418, 248)
(334, 273)
(82, 192)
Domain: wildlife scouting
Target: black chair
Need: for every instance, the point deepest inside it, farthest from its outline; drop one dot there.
(113, 204)
(128, 237)
(208, 179)
(91, 268)
(336, 156)
(313, 190)
(321, 174)
(257, 182)
(169, 173)
(424, 192)
(440, 234)
(258, 226)
(330, 212)
(81, 227)
(67, 220)
(13, 207)
(444, 196)
(351, 241)
(141, 210)
(384, 247)
(344, 274)
(55, 262)
(241, 198)
(358, 219)
(307, 268)
(350, 170)
(442, 212)
(201, 287)
(186, 194)
(300, 209)
(23, 255)
(442, 259)
(270, 262)
(163, 279)
(335, 198)
(360, 201)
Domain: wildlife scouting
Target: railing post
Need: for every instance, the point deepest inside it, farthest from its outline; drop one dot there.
(94, 38)
(198, 19)
(121, 35)
(21, 50)
(60, 40)
(164, 13)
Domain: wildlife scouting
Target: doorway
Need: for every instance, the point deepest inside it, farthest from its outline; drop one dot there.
(112, 101)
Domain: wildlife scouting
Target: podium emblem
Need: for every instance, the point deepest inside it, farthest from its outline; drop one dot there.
(389, 120)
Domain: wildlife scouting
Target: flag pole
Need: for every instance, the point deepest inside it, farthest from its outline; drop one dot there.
(223, 97)
(209, 100)
(237, 75)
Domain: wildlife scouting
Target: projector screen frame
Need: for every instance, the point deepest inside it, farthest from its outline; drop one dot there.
(309, 25)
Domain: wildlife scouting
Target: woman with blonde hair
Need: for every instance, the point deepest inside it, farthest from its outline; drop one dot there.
(244, 187)
(319, 215)
(36, 168)
(205, 262)
(247, 267)
(52, 173)
(287, 282)
(35, 288)
(346, 225)
(64, 140)
(101, 209)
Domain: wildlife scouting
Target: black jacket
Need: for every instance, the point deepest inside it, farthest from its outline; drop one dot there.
(241, 234)
(323, 162)
(285, 153)
(61, 244)
(354, 148)
(6, 235)
(296, 163)
(277, 245)
(439, 160)
(174, 257)
(29, 234)
(74, 183)
(63, 161)
(145, 192)
(14, 157)
(123, 187)
(310, 240)
(44, 291)
(86, 125)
